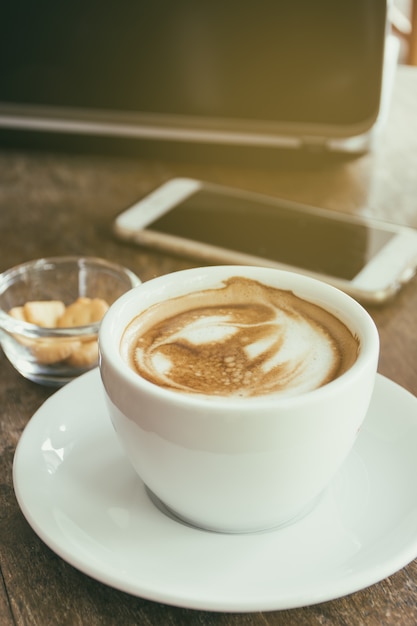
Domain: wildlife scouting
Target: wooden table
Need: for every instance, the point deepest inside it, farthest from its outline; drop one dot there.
(63, 202)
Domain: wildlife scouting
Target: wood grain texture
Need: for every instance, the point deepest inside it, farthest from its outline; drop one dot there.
(54, 203)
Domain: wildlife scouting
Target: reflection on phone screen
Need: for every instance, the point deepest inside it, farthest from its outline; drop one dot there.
(277, 233)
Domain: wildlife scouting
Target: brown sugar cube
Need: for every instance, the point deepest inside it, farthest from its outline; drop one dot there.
(44, 313)
(85, 355)
(82, 312)
(49, 351)
(17, 312)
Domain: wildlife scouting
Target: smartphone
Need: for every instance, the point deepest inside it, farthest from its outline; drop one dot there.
(366, 258)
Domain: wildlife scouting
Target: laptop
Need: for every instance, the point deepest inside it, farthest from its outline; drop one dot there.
(271, 73)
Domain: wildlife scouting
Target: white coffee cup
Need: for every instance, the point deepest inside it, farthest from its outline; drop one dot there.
(236, 464)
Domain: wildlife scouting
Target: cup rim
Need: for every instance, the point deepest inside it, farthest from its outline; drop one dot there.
(342, 306)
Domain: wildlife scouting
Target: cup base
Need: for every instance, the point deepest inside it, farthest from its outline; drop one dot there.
(177, 517)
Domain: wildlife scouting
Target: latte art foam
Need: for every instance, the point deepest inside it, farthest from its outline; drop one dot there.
(244, 339)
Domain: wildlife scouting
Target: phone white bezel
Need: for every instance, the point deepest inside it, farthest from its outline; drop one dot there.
(379, 280)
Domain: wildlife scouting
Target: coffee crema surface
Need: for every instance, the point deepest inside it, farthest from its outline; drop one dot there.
(243, 339)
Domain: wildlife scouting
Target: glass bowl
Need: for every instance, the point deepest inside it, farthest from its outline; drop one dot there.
(50, 313)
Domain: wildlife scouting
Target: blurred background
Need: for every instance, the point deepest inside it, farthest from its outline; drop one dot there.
(279, 74)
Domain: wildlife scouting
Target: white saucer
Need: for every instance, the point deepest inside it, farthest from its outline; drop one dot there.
(82, 498)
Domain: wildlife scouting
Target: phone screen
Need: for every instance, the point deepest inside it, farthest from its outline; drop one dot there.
(279, 233)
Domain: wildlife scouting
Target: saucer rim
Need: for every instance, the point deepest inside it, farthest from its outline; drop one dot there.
(89, 382)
